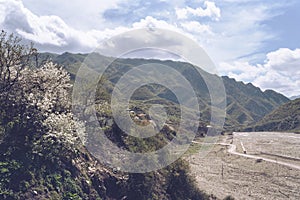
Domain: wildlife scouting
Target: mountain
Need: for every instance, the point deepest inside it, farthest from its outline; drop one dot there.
(246, 104)
(294, 97)
(42, 155)
(284, 118)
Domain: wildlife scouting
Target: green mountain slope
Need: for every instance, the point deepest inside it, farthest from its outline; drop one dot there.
(246, 103)
(43, 145)
(43, 157)
(284, 118)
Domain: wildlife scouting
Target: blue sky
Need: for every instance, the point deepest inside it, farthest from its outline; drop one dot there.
(254, 41)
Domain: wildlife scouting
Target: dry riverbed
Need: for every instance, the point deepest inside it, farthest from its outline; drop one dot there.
(222, 173)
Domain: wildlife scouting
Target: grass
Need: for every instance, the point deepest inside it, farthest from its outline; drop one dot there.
(193, 149)
(203, 144)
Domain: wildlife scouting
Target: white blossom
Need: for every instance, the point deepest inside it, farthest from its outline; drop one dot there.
(65, 127)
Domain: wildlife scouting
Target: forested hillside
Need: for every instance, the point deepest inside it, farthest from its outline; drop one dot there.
(246, 103)
(42, 152)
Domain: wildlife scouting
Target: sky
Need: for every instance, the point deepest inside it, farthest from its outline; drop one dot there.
(255, 41)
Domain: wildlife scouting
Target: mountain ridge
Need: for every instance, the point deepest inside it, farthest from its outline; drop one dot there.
(246, 103)
(284, 118)
(294, 97)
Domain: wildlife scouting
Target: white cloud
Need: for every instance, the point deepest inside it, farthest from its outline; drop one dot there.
(211, 10)
(274, 80)
(80, 14)
(238, 33)
(284, 59)
(283, 72)
(196, 27)
(51, 32)
(48, 30)
(181, 13)
(229, 39)
(285, 62)
(241, 70)
(280, 71)
(149, 22)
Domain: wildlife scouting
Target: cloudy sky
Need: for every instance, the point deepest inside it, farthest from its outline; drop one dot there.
(254, 41)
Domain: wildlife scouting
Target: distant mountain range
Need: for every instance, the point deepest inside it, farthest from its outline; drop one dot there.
(284, 118)
(294, 97)
(246, 104)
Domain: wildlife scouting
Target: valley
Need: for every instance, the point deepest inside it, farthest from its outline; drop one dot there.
(47, 151)
(245, 103)
(270, 169)
(149, 100)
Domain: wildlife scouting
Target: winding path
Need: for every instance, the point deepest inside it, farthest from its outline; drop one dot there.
(232, 150)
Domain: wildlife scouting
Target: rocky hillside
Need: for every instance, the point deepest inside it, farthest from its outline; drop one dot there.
(60, 173)
(247, 104)
(284, 118)
(43, 145)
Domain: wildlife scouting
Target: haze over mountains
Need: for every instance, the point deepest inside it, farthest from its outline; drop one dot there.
(246, 104)
(295, 97)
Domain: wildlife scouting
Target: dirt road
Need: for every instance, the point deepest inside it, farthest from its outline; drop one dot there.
(228, 171)
(232, 150)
